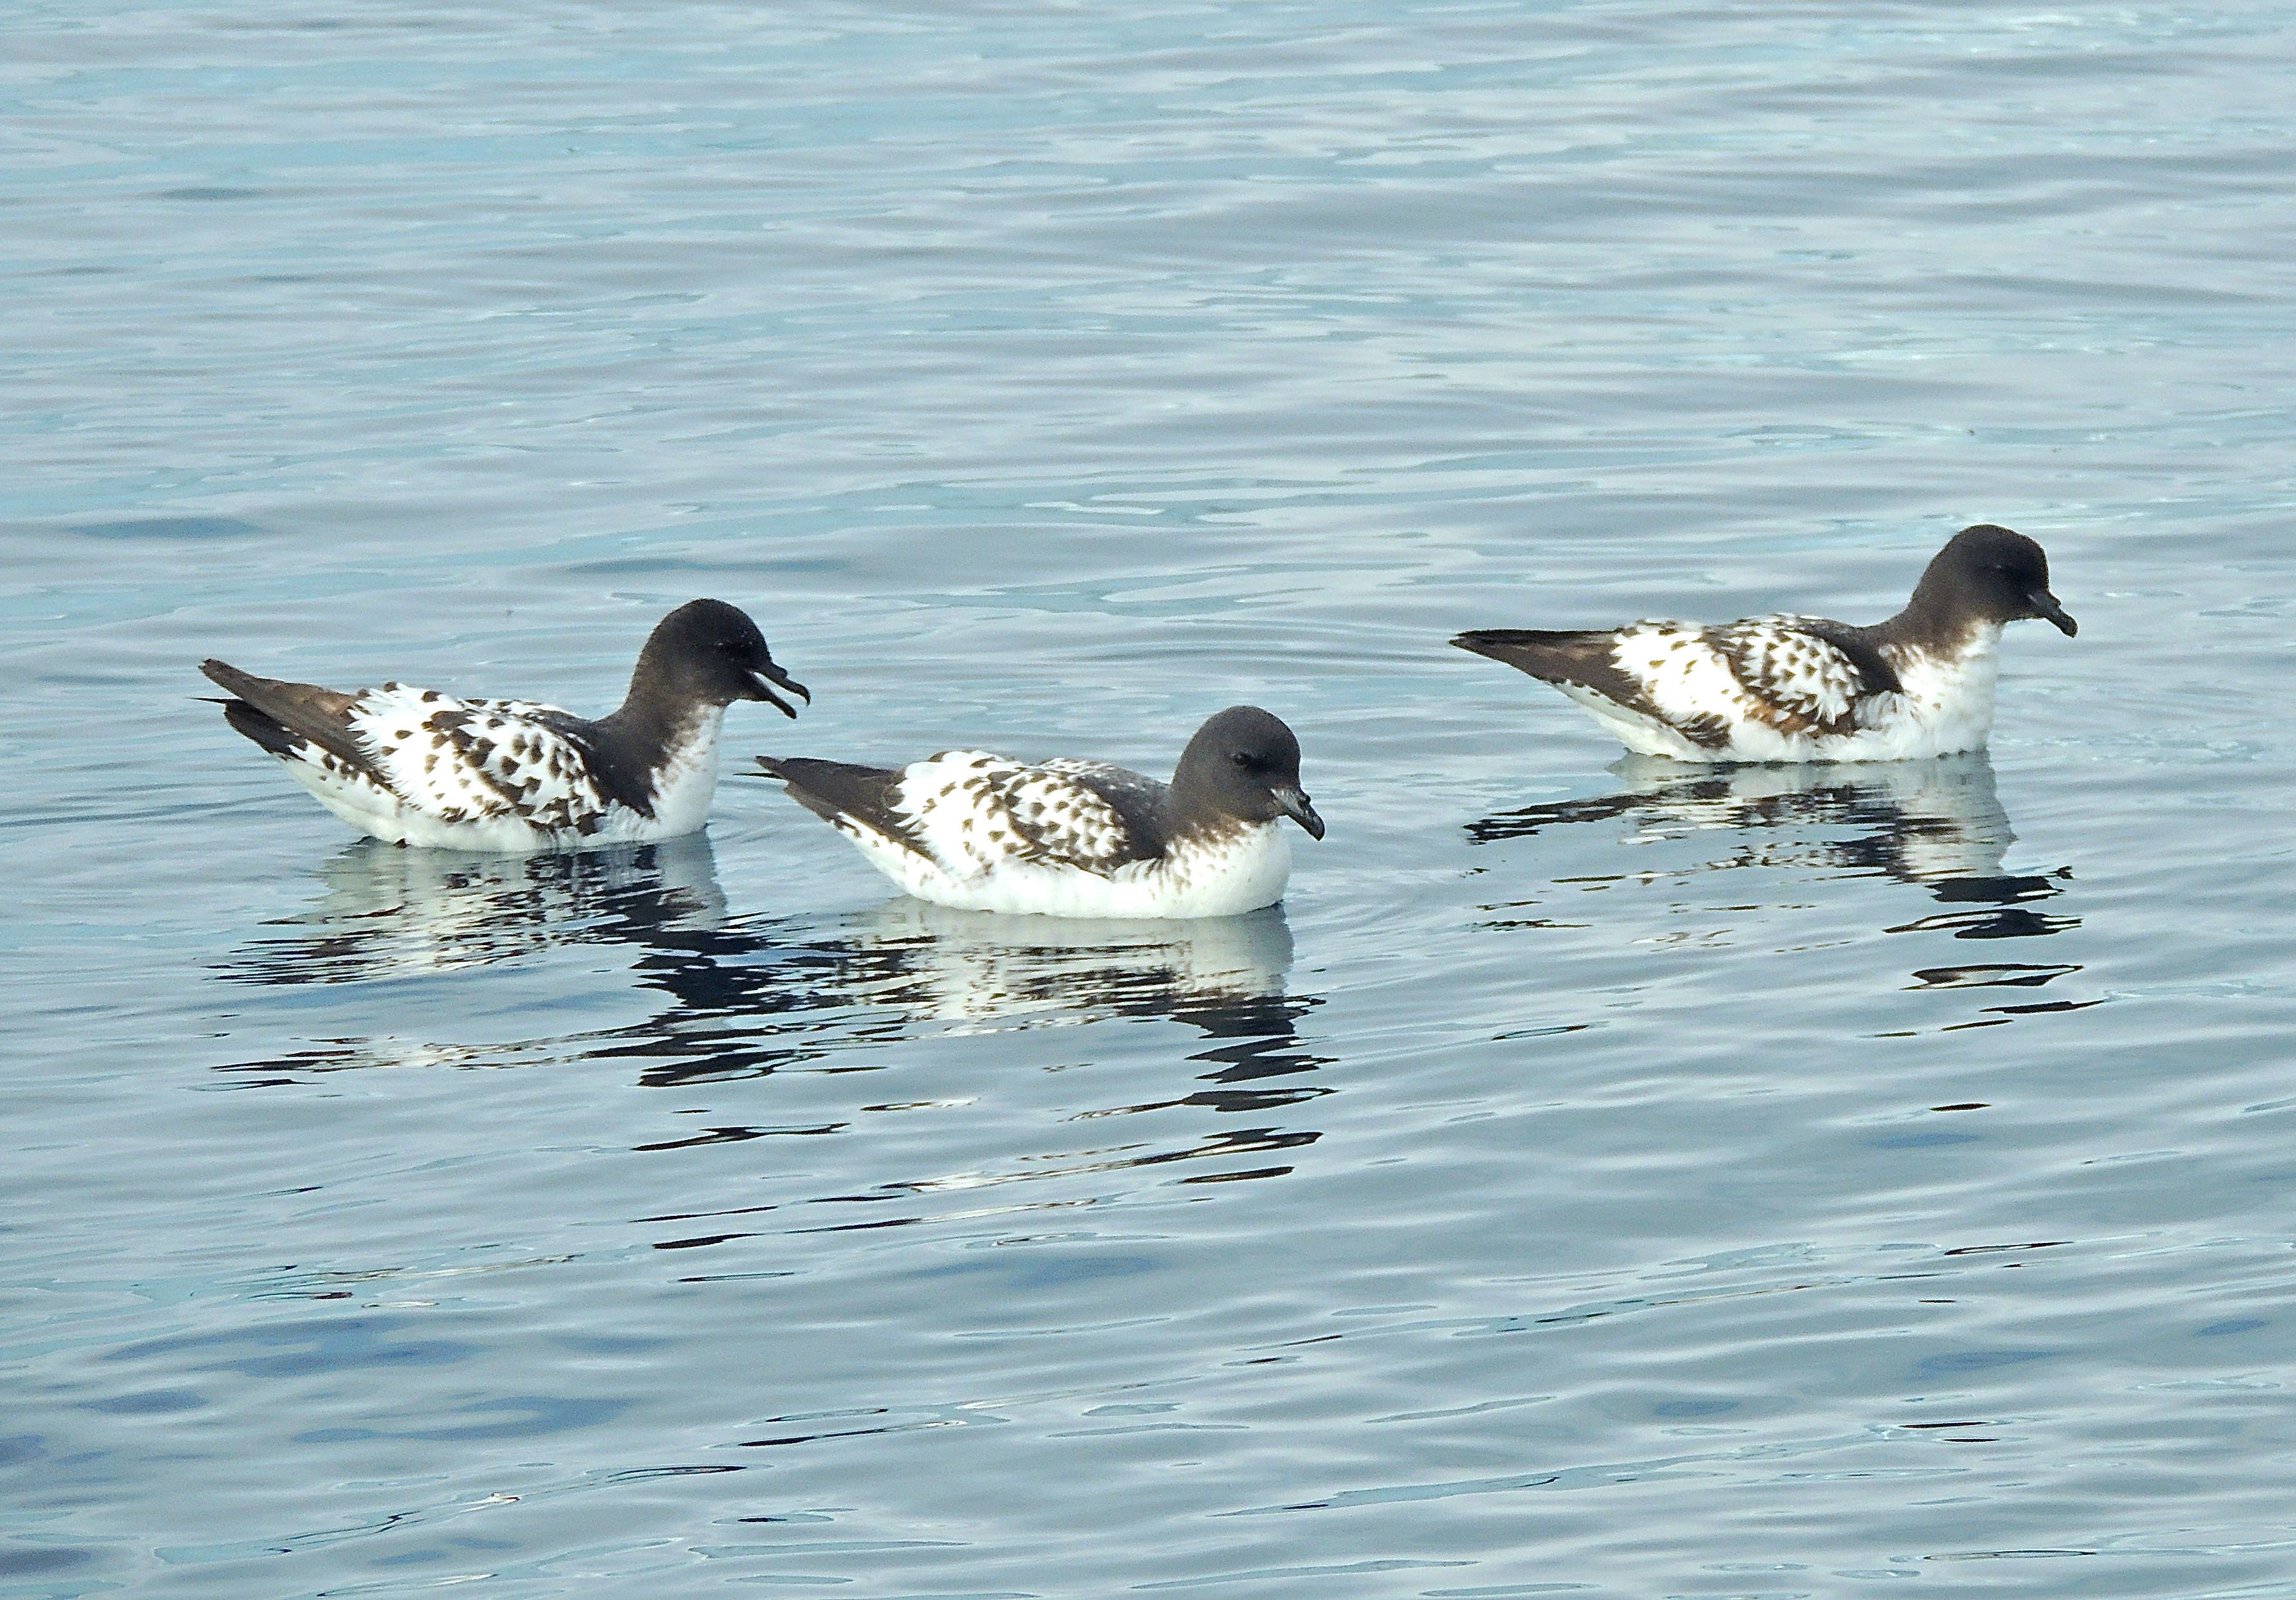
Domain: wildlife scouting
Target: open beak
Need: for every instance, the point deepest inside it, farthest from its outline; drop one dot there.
(759, 677)
(1292, 802)
(2045, 605)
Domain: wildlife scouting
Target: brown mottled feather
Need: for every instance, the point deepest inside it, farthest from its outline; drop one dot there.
(305, 710)
(1587, 657)
(839, 793)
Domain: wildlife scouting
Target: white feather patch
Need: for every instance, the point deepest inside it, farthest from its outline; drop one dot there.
(477, 761)
(973, 811)
(495, 775)
(1777, 689)
(990, 834)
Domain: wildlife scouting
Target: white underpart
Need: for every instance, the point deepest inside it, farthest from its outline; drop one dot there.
(1946, 706)
(682, 787)
(440, 797)
(1948, 700)
(1243, 873)
(989, 867)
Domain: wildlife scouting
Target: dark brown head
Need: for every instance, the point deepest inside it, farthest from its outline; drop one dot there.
(1244, 763)
(1986, 574)
(708, 653)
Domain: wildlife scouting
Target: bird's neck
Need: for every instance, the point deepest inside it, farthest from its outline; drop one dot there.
(1191, 817)
(1189, 809)
(1931, 622)
(648, 737)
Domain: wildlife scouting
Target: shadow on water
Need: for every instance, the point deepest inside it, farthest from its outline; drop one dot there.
(742, 999)
(1937, 826)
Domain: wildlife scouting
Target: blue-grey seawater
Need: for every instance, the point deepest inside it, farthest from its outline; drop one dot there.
(1597, 1178)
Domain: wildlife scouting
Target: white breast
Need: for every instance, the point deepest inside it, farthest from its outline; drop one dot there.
(682, 787)
(1947, 705)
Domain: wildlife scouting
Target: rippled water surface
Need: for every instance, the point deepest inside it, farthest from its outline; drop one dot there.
(1598, 1178)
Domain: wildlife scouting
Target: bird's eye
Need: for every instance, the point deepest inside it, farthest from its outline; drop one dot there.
(1242, 758)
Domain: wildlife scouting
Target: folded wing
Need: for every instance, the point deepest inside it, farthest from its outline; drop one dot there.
(460, 761)
(1805, 675)
(968, 812)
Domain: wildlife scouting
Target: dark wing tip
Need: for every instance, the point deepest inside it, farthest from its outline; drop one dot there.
(223, 675)
(1541, 654)
(311, 713)
(1491, 642)
(812, 783)
(250, 723)
(844, 795)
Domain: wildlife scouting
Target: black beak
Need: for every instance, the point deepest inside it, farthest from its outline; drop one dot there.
(1292, 802)
(770, 674)
(2045, 605)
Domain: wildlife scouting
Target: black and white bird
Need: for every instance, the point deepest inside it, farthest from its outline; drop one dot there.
(413, 766)
(1077, 839)
(1802, 687)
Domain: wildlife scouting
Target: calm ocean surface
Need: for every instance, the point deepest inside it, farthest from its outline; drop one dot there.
(1598, 1178)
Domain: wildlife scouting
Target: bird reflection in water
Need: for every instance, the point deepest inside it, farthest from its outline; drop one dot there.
(908, 967)
(745, 997)
(392, 913)
(1935, 825)
(1221, 974)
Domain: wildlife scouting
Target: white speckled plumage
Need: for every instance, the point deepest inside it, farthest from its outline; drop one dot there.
(415, 766)
(1765, 690)
(1793, 689)
(971, 811)
(496, 775)
(1065, 858)
(1077, 839)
